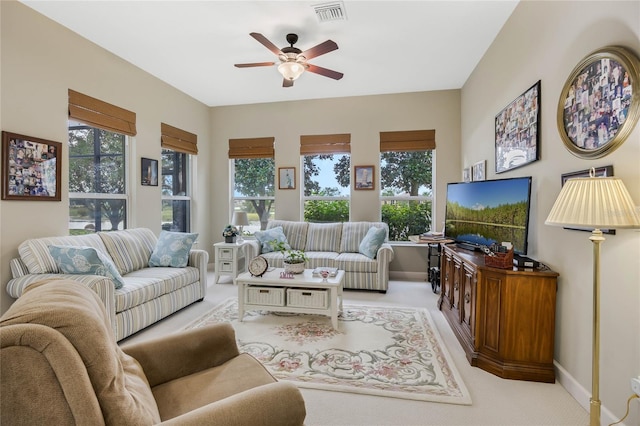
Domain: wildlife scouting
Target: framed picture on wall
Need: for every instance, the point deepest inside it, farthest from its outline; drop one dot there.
(363, 177)
(518, 131)
(286, 178)
(466, 174)
(149, 172)
(478, 170)
(600, 172)
(30, 168)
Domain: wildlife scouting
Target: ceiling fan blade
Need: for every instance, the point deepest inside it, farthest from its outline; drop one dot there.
(255, 64)
(266, 43)
(320, 49)
(325, 72)
(287, 83)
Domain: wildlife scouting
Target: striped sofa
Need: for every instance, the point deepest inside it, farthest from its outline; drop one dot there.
(148, 295)
(334, 245)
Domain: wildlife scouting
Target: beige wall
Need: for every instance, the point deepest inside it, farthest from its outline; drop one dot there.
(41, 60)
(545, 41)
(363, 117)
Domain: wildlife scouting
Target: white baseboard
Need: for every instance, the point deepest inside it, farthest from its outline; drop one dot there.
(582, 395)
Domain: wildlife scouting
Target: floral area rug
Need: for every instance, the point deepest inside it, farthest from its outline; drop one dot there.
(385, 351)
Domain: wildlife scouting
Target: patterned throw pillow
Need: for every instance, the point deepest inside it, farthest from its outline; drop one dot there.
(372, 241)
(172, 249)
(81, 260)
(274, 234)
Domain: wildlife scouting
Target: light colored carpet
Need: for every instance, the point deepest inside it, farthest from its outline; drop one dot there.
(385, 351)
(496, 401)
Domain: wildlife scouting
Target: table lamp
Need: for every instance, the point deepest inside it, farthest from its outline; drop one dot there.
(599, 203)
(240, 220)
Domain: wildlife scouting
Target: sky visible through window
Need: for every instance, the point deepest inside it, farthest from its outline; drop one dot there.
(327, 177)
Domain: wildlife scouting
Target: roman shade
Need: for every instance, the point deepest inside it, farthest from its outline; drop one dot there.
(251, 148)
(178, 140)
(101, 114)
(325, 144)
(410, 140)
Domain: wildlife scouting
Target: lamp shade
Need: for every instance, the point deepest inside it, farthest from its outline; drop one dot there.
(291, 70)
(594, 202)
(240, 219)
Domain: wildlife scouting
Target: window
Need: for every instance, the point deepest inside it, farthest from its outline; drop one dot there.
(176, 203)
(97, 179)
(177, 147)
(406, 162)
(97, 164)
(253, 183)
(326, 167)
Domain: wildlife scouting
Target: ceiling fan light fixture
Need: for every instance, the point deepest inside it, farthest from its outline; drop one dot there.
(291, 70)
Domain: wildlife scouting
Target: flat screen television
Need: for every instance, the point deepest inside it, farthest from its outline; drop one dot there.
(485, 212)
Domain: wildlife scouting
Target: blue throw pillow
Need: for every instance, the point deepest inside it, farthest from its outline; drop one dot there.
(85, 261)
(274, 234)
(172, 249)
(372, 241)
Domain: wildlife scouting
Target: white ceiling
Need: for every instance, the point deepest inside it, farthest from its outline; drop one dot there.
(384, 46)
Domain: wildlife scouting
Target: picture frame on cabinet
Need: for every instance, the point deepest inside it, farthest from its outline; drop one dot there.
(31, 168)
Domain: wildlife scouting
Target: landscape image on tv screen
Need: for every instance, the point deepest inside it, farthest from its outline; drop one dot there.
(486, 212)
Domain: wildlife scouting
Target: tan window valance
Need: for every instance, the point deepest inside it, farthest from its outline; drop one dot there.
(178, 140)
(251, 148)
(101, 114)
(410, 140)
(325, 144)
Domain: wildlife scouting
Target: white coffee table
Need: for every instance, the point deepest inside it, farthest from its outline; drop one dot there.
(306, 280)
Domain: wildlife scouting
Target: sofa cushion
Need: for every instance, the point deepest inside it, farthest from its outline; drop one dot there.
(270, 236)
(324, 237)
(353, 233)
(317, 259)
(296, 232)
(35, 252)
(130, 249)
(355, 262)
(85, 261)
(372, 241)
(172, 249)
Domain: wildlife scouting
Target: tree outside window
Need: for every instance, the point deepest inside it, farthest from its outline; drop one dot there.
(254, 191)
(97, 180)
(176, 201)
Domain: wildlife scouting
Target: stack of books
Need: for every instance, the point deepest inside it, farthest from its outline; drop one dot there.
(431, 236)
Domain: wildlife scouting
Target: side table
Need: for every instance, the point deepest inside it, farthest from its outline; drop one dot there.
(230, 260)
(434, 249)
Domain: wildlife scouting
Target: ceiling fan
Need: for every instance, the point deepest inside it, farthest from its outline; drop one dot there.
(293, 61)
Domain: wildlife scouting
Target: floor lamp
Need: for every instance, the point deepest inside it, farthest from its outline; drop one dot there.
(240, 220)
(599, 203)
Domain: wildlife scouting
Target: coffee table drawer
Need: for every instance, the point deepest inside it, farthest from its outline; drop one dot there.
(272, 296)
(307, 298)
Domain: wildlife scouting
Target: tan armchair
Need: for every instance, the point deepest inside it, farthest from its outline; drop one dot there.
(61, 365)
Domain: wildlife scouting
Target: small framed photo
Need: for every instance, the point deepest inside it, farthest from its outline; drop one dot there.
(31, 168)
(605, 171)
(466, 174)
(286, 178)
(478, 170)
(149, 172)
(517, 129)
(363, 177)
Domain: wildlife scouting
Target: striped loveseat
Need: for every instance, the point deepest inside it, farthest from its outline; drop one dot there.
(148, 294)
(334, 245)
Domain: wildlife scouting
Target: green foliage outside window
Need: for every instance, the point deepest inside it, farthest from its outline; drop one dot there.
(326, 211)
(406, 218)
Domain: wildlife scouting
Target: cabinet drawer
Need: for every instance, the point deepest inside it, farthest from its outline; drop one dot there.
(225, 253)
(272, 296)
(306, 298)
(225, 266)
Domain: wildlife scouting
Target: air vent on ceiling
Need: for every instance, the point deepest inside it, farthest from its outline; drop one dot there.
(331, 11)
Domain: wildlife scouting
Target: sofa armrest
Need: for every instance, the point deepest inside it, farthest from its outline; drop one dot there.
(384, 256)
(279, 403)
(200, 259)
(103, 286)
(169, 357)
(251, 248)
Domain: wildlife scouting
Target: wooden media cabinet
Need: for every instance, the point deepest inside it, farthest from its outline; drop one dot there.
(503, 318)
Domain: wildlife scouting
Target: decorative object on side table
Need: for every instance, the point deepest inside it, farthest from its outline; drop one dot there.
(31, 168)
(600, 102)
(240, 220)
(594, 202)
(518, 131)
(258, 266)
(229, 233)
(294, 260)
